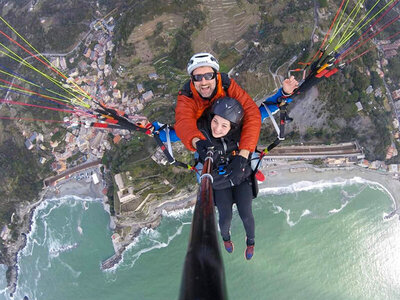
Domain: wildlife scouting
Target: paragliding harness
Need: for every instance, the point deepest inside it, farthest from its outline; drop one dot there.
(280, 129)
(117, 120)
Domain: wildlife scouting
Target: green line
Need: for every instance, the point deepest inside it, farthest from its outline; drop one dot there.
(65, 77)
(353, 14)
(34, 84)
(19, 59)
(346, 39)
(29, 92)
(21, 79)
(336, 30)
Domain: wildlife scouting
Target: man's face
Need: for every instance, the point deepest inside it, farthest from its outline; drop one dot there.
(204, 87)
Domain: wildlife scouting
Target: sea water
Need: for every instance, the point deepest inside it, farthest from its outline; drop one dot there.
(321, 240)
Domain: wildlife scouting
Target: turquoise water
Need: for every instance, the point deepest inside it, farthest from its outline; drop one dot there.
(325, 240)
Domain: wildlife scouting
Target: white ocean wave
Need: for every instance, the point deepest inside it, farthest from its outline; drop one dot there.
(320, 185)
(58, 243)
(279, 209)
(29, 242)
(85, 205)
(346, 199)
(55, 250)
(68, 198)
(377, 186)
(38, 213)
(80, 230)
(55, 206)
(146, 235)
(336, 210)
(157, 245)
(179, 213)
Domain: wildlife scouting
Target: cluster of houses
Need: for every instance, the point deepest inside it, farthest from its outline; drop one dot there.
(92, 74)
(381, 166)
(389, 48)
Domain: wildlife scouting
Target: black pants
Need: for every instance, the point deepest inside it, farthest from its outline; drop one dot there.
(242, 195)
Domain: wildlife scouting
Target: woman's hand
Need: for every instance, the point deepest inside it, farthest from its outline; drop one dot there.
(238, 170)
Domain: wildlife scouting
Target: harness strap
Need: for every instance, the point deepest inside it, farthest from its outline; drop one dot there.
(124, 123)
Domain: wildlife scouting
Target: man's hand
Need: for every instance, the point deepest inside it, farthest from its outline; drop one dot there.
(289, 85)
(202, 148)
(238, 170)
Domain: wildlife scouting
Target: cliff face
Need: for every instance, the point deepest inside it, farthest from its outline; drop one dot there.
(16, 241)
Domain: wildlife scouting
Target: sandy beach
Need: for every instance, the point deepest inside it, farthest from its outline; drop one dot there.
(283, 175)
(73, 187)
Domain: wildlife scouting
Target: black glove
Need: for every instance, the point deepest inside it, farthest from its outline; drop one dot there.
(220, 181)
(202, 148)
(238, 170)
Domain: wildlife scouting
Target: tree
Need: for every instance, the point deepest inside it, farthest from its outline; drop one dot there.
(182, 49)
(376, 80)
(394, 68)
(323, 3)
(158, 29)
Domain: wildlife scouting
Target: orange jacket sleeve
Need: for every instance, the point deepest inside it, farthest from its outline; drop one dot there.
(187, 112)
(252, 117)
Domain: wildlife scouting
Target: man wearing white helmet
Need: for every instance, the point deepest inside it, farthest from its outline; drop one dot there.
(207, 85)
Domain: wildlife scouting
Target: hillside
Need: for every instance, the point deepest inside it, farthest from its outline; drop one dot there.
(258, 42)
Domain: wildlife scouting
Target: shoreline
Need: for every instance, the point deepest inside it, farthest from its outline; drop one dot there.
(13, 251)
(277, 175)
(283, 175)
(64, 189)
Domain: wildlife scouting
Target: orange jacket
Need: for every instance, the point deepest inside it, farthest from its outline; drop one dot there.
(189, 109)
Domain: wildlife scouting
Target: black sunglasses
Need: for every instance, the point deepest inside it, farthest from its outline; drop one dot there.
(206, 76)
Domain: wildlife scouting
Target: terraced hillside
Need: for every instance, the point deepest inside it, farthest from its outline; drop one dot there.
(226, 22)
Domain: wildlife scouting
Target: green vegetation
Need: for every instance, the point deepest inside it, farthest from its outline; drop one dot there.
(134, 156)
(317, 162)
(182, 49)
(341, 94)
(227, 56)
(136, 12)
(283, 33)
(20, 176)
(58, 136)
(323, 3)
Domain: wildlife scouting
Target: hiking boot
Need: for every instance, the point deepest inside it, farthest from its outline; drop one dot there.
(228, 246)
(249, 252)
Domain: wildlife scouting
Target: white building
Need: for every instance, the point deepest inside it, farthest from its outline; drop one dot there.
(95, 178)
(147, 96)
(359, 106)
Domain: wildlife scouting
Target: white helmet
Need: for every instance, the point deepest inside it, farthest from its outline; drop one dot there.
(202, 60)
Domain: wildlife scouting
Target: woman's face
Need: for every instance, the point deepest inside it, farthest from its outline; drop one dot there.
(220, 126)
